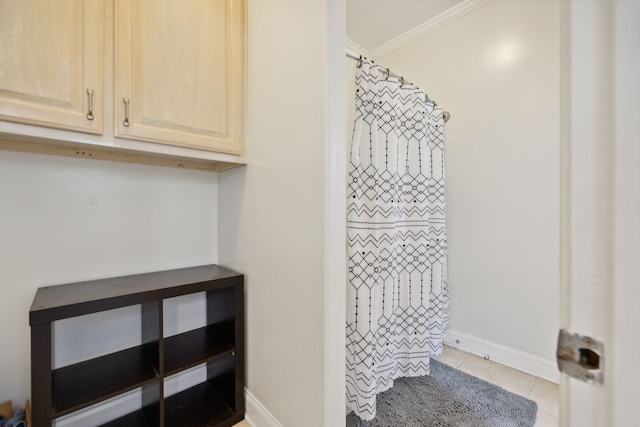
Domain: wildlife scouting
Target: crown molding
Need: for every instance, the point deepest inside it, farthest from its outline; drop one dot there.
(438, 21)
(356, 48)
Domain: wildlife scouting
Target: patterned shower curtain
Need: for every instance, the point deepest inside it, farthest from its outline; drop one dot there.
(398, 300)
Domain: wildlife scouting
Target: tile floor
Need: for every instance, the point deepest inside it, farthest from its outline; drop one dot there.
(543, 392)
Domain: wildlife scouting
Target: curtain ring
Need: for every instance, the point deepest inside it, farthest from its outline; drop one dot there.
(401, 81)
(359, 62)
(385, 74)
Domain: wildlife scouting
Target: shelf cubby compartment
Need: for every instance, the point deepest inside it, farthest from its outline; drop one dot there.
(83, 384)
(148, 415)
(212, 402)
(191, 348)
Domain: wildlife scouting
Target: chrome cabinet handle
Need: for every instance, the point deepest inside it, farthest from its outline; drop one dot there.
(126, 112)
(90, 113)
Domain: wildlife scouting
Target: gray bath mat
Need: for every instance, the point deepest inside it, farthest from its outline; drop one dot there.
(448, 397)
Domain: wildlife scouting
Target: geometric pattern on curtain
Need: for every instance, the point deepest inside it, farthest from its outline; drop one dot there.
(398, 301)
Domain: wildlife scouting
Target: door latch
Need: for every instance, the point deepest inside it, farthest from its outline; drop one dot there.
(580, 357)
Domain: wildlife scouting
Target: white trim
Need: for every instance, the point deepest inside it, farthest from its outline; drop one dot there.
(335, 219)
(356, 48)
(507, 356)
(590, 141)
(623, 351)
(256, 414)
(565, 195)
(438, 21)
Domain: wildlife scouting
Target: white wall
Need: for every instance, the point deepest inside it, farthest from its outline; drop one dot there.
(272, 217)
(497, 71)
(65, 219)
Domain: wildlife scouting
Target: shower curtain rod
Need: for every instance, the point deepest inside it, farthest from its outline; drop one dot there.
(386, 71)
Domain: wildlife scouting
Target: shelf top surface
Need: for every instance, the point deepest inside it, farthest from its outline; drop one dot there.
(73, 299)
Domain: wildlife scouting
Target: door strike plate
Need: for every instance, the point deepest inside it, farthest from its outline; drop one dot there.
(580, 357)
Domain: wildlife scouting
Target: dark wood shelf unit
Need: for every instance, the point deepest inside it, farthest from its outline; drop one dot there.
(219, 401)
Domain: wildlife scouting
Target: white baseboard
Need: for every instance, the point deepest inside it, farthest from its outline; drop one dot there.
(499, 353)
(257, 415)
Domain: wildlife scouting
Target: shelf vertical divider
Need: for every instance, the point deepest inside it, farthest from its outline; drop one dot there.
(41, 378)
(152, 403)
(239, 341)
(152, 341)
(221, 310)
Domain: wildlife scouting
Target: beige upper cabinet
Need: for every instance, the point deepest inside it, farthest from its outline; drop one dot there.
(179, 72)
(51, 63)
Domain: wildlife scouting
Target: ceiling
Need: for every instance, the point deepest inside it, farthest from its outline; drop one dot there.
(371, 23)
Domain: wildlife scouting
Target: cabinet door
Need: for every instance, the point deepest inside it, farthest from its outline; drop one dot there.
(51, 58)
(180, 66)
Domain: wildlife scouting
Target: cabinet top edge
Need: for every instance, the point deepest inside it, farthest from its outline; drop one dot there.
(68, 300)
